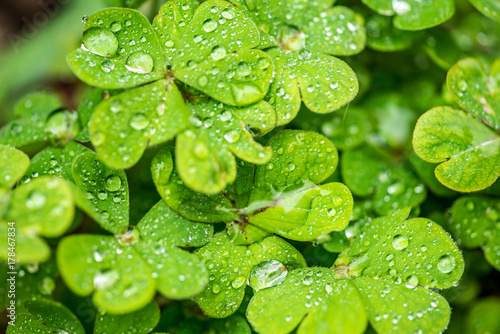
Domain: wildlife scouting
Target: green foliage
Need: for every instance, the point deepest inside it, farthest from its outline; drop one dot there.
(192, 186)
(465, 143)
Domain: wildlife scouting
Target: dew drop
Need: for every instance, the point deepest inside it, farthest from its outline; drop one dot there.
(446, 264)
(209, 25)
(100, 41)
(113, 183)
(115, 26)
(238, 282)
(107, 65)
(202, 81)
(218, 53)
(139, 121)
(140, 62)
(399, 242)
(267, 274)
(232, 136)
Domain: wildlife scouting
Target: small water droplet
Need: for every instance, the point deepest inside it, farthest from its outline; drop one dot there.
(139, 121)
(238, 282)
(115, 26)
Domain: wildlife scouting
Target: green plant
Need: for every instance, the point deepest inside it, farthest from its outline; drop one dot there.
(195, 188)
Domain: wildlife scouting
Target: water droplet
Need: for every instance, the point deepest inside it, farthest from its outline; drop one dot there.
(209, 25)
(102, 195)
(238, 282)
(263, 63)
(225, 116)
(228, 13)
(216, 288)
(446, 264)
(399, 242)
(107, 65)
(267, 274)
(202, 81)
(139, 121)
(332, 212)
(412, 281)
(100, 41)
(232, 136)
(98, 138)
(115, 26)
(140, 62)
(243, 69)
(337, 200)
(105, 279)
(113, 183)
(218, 53)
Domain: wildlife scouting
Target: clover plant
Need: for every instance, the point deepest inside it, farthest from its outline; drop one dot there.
(257, 166)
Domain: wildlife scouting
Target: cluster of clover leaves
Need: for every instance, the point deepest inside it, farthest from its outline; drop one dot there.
(214, 76)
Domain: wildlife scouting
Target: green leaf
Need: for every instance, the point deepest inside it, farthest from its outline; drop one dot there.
(54, 161)
(483, 317)
(162, 223)
(106, 189)
(45, 317)
(123, 126)
(475, 91)
(394, 308)
(235, 324)
(38, 284)
(119, 50)
(219, 64)
(186, 202)
(178, 273)
(120, 280)
(13, 164)
(36, 107)
(141, 321)
(467, 149)
(29, 249)
(414, 14)
(348, 37)
(307, 214)
(204, 153)
(425, 171)
(489, 8)
(43, 207)
(312, 299)
(230, 259)
(381, 35)
(392, 186)
(473, 223)
(299, 160)
(413, 252)
(441, 48)
(20, 133)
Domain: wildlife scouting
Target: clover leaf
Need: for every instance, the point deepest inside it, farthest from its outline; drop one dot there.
(465, 143)
(414, 14)
(224, 66)
(230, 257)
(382, 35)
(300, 37)
(489, 8)
(483, 316)
(44, 207)
(285, 199)
(473, 222)
(387, 253)
(123, 272)
(37, 119)
(141, 321)
(45, 316)
(391, 186)
(13, 164)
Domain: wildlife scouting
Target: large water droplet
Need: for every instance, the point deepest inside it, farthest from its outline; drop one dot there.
(113, 183)
(139, 62)
(107, 65)
(115, 26)
(238, 282)
(105, 279)
(209, 25)
(399, 242)
(100, 41)
(139, 121)
(446, 264)
(232, 136)
(218, 53)
(243, 69)
(267, 274)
